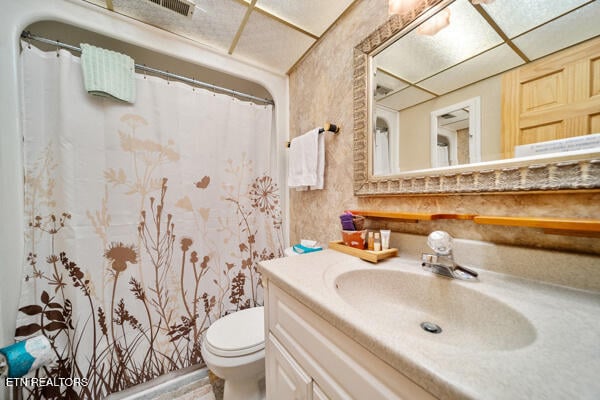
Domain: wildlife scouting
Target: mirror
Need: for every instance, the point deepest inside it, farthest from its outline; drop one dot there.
(463, 97)
(455, 134)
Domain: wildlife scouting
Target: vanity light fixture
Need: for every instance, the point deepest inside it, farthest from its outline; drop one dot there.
(435, 24)
(401, 6)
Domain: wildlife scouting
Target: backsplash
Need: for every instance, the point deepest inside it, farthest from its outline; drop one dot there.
(321, 90)
(539, 265)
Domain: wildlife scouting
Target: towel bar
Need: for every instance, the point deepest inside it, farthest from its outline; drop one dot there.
(328, 127)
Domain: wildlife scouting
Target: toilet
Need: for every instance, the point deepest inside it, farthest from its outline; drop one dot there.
(234, 350)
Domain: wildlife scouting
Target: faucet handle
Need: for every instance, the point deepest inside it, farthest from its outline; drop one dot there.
(466, 270)
(440, 242)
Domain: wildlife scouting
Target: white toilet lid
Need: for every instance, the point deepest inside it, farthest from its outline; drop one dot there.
(237, 334)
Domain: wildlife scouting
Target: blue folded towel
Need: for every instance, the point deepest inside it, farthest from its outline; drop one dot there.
(298, 248)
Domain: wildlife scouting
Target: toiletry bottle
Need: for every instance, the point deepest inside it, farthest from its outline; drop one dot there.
(377, 243)
(385, 239)
(370, 241)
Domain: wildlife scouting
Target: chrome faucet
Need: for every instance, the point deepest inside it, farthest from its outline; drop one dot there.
(442, 262)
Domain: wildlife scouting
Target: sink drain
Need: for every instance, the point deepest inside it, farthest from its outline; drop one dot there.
(431, 327)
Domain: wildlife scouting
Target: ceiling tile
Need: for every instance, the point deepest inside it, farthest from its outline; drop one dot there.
(385, 83)
(214, 22)
(566, 31)
(406, 98)
(517, 16)
(270, 43)
(313, 16)
(417, 56)
(492, 62)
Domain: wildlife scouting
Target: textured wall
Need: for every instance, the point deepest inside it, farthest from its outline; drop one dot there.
(321, 90)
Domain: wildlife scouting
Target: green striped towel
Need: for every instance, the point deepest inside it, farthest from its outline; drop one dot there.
(108, 73)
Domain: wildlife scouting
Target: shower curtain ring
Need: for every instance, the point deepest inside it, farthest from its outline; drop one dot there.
(57, 48)
(145, 72)
(194, 82)
(168, 79)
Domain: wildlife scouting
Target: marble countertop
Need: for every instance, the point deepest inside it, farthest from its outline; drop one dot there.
(560, 360)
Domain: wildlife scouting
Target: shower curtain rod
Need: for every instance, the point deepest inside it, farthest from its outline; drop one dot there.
(30, 36)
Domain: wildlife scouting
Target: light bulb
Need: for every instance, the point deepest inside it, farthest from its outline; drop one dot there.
(401, 6)
(435, 24)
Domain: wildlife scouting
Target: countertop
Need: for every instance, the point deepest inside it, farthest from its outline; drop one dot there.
(560, 361)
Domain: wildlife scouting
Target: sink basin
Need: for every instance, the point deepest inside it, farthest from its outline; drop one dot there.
(397, 302)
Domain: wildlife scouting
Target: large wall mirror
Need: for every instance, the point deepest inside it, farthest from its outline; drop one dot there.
(479, 96)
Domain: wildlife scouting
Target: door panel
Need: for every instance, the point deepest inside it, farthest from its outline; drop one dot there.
(556, 97)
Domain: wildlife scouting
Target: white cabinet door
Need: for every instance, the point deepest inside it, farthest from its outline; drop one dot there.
(318, 393)
(286, 380)
(343, 368)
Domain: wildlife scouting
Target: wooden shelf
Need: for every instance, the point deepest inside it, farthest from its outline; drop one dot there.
(549, 225)
(555, 226)
(411, 216)
(367, 255)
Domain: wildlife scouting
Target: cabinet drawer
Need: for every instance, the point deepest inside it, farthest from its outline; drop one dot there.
(318, 394)
(285, 378)
(341, 367)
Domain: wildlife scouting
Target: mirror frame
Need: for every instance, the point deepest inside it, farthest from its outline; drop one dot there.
(575, 170)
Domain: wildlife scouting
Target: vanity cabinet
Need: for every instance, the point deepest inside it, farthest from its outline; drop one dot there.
(307, 358)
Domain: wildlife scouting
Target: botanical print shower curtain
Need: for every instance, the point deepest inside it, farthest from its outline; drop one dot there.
(145, 223)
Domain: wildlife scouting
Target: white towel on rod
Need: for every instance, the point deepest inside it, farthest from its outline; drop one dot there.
(307, 161)
(320, 163)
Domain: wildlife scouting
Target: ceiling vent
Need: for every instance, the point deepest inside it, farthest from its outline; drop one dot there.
(183, 7)
(382, 90)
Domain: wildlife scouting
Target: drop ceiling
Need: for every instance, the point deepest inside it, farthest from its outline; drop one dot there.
(273, 34)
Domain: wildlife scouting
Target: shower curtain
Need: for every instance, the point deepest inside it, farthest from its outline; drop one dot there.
(145, 223)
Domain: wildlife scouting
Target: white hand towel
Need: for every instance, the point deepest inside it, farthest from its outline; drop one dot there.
(320, 164)
(304, 160)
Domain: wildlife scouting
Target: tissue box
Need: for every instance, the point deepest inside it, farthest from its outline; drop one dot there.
(355, 239)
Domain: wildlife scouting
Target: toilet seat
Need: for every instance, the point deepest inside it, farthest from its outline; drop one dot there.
(237, 334)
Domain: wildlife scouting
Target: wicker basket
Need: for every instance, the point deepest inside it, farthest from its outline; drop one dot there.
(359, 222)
